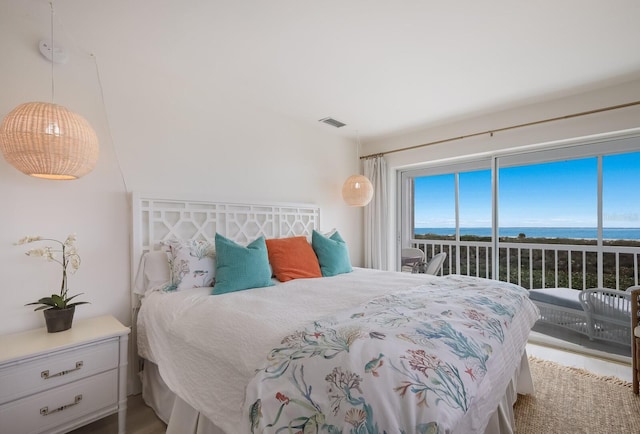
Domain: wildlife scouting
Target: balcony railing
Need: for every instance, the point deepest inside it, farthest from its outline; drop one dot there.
(536, 265)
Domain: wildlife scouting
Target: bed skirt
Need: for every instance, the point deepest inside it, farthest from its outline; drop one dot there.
(181, 418)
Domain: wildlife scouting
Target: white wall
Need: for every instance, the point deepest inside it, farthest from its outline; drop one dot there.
(165, 129)
(538, 136)
(157, 134)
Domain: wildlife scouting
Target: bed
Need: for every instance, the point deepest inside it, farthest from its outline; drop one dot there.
(359, 351)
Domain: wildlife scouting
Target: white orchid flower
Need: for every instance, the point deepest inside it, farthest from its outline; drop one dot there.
(26, 240)
(74, 262)
(69, 259)
(70, 240)
(37, 252)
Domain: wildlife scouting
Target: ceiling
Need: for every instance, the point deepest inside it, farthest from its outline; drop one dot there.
(381, 67)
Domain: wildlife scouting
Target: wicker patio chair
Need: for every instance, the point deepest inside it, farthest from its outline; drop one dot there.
(411, 256)
(435, 264)
(561, 307)
(608, 314)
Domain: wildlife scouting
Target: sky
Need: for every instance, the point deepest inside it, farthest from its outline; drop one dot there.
(557, 194)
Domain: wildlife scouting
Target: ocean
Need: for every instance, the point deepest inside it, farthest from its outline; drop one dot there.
(535, 232)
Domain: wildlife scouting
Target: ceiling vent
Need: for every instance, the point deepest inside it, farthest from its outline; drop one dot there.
(333, 122)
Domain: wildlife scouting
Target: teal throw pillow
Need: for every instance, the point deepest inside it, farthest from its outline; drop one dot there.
(332, 254)
(239, 267)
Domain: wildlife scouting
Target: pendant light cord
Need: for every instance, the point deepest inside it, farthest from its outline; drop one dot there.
(53, 48)
(106, 117)
(94, 58)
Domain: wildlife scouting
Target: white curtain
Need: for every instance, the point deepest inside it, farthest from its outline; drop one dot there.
(375, 215)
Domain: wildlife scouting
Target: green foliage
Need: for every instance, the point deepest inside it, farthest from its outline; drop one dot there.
(529, 273)
(56, 302)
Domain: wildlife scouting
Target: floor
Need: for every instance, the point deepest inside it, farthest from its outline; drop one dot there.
(579, 340)
(140, 420)
(596, 361)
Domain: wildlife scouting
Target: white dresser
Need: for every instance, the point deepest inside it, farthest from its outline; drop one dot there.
(56, 382)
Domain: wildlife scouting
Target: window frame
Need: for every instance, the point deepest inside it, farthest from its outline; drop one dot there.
(574, 149)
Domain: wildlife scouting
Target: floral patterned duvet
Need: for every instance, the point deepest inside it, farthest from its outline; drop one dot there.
(410, 362)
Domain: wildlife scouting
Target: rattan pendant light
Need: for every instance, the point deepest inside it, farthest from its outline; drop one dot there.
(47, 140)
(357, 190)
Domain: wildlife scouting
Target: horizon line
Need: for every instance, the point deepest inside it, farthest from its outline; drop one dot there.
(531, 227)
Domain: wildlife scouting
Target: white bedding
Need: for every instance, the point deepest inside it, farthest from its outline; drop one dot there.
(208, 347)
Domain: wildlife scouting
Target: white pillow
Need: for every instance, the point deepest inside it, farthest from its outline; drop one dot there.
(191, 264)
(153, 272)
(330, 233)
(326, 234)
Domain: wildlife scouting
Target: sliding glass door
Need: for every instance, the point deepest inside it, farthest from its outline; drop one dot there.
(557, 218)
(620, 219)
(451, 207)
(579, 196)
(544, 210)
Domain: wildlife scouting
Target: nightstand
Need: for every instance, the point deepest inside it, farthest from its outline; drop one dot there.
(56, 382)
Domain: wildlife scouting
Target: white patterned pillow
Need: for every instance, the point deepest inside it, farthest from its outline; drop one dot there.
(191, 263)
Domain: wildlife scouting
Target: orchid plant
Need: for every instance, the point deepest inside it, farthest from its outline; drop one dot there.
(65, 254)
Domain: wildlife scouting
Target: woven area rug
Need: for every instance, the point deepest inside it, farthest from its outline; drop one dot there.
(572, 400)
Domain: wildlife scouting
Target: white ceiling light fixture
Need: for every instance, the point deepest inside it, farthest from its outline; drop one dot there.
(47, 140)
(357, 190)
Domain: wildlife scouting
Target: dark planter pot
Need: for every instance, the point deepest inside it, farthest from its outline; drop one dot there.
(59, 320)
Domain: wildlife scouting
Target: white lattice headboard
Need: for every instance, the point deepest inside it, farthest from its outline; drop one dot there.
(157, 219)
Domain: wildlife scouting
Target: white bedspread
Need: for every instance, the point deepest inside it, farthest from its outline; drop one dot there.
(207, 347)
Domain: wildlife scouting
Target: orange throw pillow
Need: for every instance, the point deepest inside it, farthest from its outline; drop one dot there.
(292, 258)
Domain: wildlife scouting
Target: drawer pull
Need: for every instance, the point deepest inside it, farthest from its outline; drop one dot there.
(46, 376)
(45, 410)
